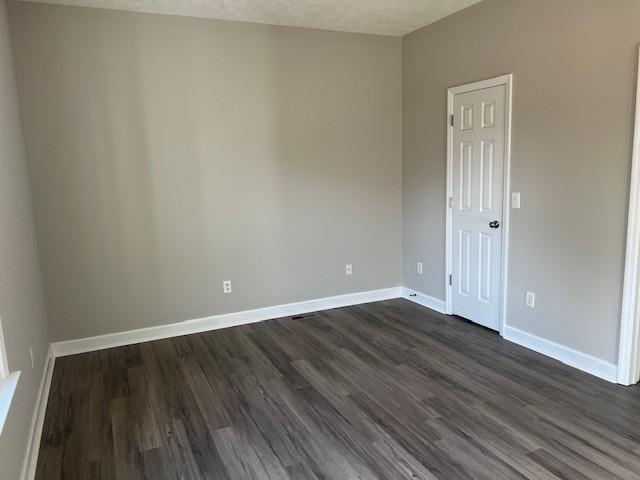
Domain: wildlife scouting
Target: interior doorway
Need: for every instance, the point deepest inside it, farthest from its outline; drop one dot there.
(478, 154)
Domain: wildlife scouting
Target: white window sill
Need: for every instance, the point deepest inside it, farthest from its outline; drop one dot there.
(7, 389)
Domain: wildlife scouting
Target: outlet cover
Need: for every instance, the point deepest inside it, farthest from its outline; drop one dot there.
(530, 300)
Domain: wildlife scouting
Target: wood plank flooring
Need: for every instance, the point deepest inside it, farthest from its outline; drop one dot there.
(388, 390)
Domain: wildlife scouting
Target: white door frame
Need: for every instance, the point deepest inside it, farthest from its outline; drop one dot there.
(507, 81)
(629, 349)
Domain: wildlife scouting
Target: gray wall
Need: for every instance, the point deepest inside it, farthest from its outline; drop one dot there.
(574, 64)
(168, 154)
(21, 300)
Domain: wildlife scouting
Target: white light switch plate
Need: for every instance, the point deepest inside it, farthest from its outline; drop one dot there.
(515, 199)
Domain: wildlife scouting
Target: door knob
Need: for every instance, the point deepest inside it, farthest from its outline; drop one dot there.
(494, 224)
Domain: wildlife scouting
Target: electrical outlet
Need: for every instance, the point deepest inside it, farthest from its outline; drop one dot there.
(33, 362)
(530, 300)
(226, 286)
(348, 269)
(419, 268)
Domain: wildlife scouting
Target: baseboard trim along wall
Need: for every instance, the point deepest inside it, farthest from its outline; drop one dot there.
(424, 300)
(573, 358)
(215, 322)
(30, 461)
(569, 356)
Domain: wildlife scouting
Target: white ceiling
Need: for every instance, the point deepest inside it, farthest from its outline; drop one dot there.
(383, 17)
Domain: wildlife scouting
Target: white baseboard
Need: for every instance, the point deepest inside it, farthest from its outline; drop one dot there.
(424, 300)
(30, 461)
(581, 361)
(215, 322)
(574, 358)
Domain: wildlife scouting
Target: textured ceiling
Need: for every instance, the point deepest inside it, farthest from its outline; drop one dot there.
(383, 17)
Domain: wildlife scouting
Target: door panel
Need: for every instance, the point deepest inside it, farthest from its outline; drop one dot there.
(465, 263)
(466, 174)
(486, 176)
(478, 188)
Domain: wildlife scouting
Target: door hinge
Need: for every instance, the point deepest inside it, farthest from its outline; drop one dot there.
(450, 202)
(450, 280)
(451, 120)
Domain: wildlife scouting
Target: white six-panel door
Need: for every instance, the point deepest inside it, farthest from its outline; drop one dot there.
(478, 155)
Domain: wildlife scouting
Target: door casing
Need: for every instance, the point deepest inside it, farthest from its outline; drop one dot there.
(507, 81)
(629, 347)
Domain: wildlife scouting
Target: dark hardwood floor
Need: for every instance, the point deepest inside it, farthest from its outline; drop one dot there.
(387, 390)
